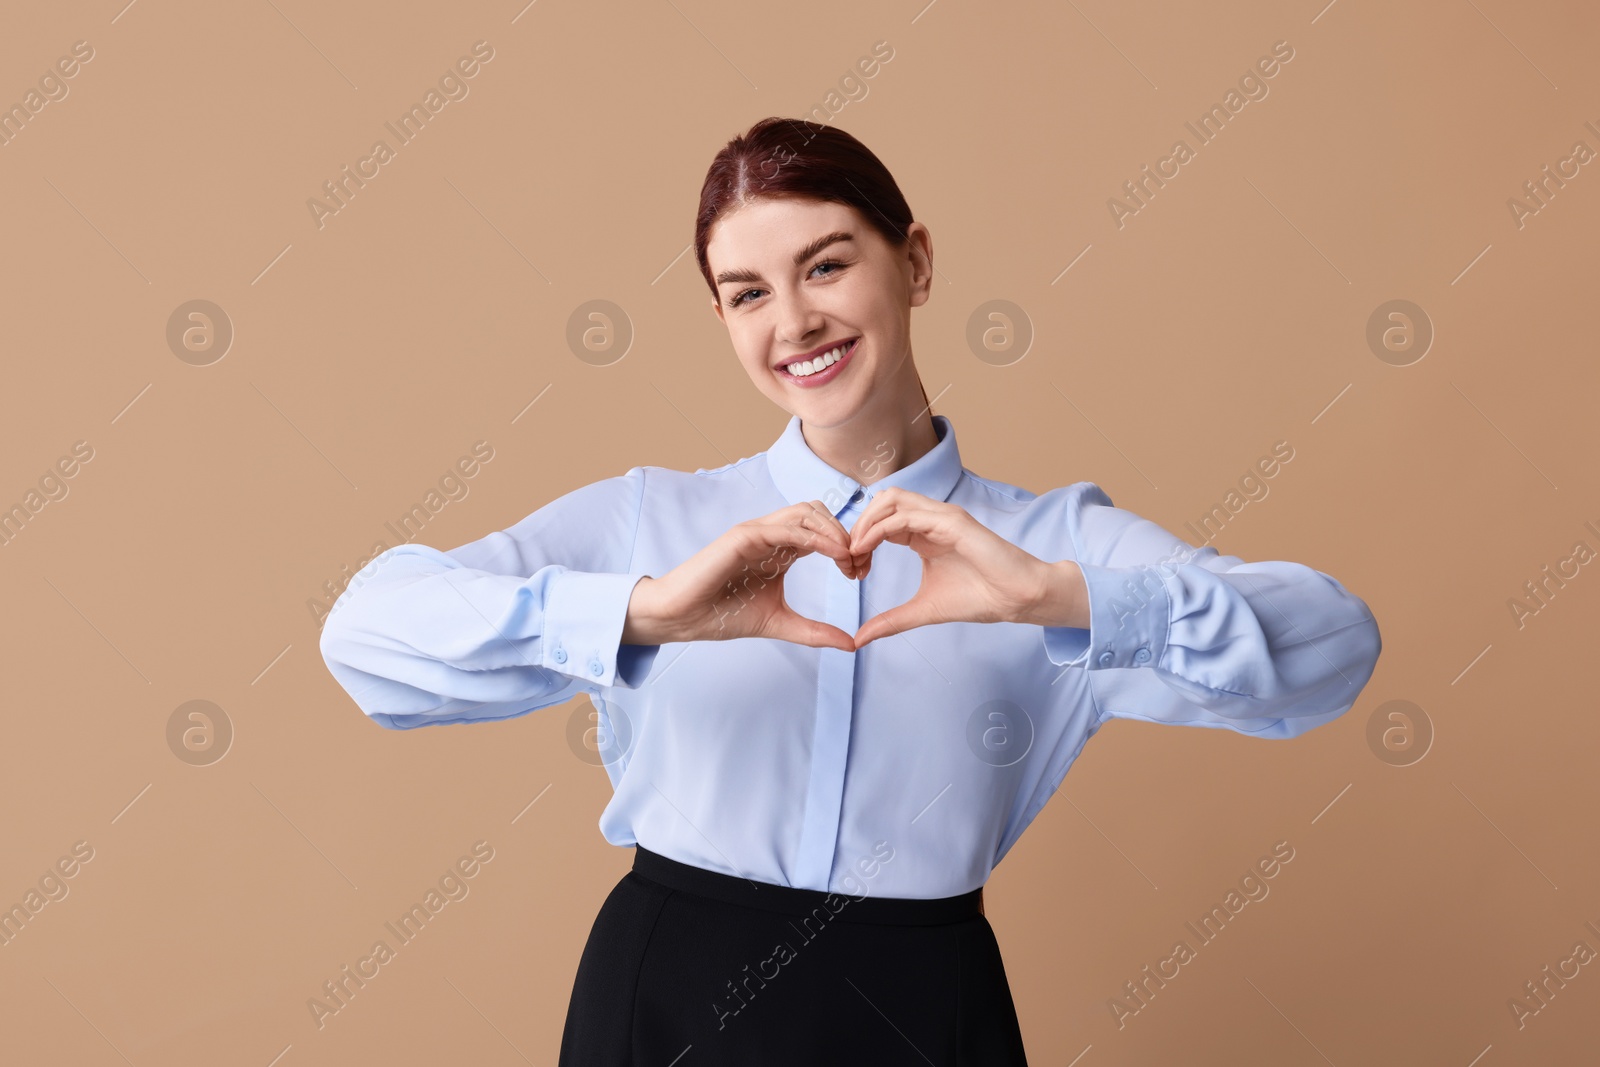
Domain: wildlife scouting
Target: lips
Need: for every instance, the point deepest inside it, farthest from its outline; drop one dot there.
(828, 373)
(846, 344)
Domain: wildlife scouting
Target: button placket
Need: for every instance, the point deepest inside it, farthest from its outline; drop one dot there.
(835, 706)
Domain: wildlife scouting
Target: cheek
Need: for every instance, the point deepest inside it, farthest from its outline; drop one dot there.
(753, 359)
(750, 354)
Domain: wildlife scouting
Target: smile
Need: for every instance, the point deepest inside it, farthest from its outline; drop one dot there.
(822, 369)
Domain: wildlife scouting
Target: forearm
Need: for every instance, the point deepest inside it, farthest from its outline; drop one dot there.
(424, 635)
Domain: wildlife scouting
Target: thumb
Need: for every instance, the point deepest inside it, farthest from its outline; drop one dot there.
(908, 616)
(789, 625)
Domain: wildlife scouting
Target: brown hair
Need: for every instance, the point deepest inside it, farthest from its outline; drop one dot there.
(797, 157)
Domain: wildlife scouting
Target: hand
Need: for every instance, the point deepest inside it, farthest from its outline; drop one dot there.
(734, 586)
(969, 572)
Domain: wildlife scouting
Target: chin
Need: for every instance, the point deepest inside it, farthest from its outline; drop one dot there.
(826, 414)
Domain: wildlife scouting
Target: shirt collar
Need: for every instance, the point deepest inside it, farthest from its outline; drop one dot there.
(800, 474)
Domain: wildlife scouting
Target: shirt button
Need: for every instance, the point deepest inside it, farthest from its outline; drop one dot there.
(1106, 659)
(596, 668)
(1141, 655)
(856, 495)
(561, 655)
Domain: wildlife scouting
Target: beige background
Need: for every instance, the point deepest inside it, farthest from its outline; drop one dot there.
(369, 354)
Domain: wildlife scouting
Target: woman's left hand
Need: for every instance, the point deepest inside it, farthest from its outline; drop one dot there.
(969, 572)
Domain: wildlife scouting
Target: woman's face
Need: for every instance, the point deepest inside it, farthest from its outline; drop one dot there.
(786, 290)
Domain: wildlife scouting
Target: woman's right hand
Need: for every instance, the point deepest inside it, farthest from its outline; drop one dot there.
(734, 586)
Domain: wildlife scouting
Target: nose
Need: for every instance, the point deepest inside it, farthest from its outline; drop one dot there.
(798, 321)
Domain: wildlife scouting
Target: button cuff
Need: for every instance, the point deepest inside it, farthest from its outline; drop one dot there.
(1130, 612)
(584, 612)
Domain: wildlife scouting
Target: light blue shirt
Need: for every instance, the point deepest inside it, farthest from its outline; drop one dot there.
(804, 766)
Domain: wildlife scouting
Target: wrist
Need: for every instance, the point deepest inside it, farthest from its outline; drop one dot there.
(643, 623)
(1062, 597)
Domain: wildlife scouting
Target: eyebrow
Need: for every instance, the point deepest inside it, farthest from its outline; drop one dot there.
(799, 257)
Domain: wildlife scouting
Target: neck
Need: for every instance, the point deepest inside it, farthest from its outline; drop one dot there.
(876, 444)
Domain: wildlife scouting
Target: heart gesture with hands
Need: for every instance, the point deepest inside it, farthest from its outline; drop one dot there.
(733, 587)
(969, 572)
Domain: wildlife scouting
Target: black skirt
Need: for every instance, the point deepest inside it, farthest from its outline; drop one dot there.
(688, 967)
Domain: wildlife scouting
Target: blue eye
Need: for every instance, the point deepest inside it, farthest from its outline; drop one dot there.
(745, 294)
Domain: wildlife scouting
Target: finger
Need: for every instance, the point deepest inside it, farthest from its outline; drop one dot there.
(859, 563)
(898, 526)
(818, 517)
(880, 505)
(793, 535)
(820, 510)
(897, 620)
(800, 536)
(788, 625)
(881, 501)
(887, 502)
(814, 517)
(814, 525)
(826, 526)
(863, 566)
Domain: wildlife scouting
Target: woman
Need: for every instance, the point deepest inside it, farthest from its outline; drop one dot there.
(888, 663)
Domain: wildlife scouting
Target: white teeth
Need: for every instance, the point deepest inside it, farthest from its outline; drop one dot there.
(804, 368)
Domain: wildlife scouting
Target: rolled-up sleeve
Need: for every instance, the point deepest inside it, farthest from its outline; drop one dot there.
(1183, 635)
(520, 620)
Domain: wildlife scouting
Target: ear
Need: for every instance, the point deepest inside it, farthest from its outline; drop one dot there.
(717, 308)
(920, 253)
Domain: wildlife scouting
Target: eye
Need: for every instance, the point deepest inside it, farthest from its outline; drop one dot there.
(745, 294)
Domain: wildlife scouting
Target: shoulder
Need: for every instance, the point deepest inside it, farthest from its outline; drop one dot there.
(974, 490)
(718, 495)
(648, 486)
(1048, 521)
(749, 473)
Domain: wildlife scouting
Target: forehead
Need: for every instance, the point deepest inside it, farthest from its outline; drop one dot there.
(771, 230)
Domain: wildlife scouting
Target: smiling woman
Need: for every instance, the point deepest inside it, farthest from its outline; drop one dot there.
(806, 724)
(858, 244)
